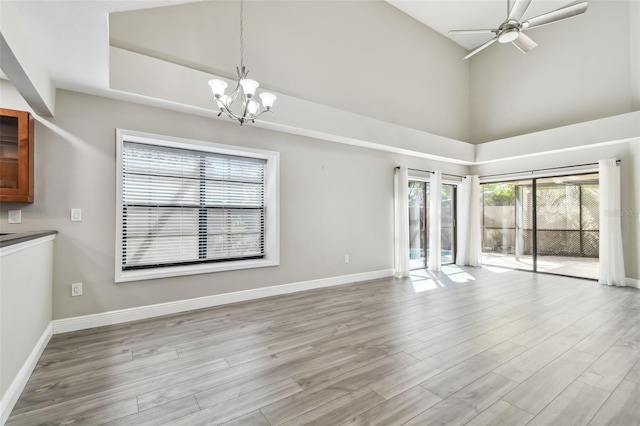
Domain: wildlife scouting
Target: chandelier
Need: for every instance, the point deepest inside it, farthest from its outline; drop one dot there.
(247, 108)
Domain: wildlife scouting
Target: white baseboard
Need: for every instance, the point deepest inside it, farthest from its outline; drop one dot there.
(632, 282)
(16, 387)
(132, 314)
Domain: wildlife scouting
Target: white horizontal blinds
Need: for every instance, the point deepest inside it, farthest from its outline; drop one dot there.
(183, 206)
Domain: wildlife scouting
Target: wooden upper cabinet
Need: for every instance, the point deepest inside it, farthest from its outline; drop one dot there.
(16, 156)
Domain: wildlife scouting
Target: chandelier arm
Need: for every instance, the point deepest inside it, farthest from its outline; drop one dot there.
(234, 94)
(262, 112)
(245, 107)
(230, 114)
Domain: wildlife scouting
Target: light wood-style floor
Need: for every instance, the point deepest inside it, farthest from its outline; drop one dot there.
(476, 347)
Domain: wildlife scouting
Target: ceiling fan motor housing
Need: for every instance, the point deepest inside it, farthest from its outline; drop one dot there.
(508, 32)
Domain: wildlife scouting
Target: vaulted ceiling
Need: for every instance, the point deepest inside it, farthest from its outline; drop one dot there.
(389, 61)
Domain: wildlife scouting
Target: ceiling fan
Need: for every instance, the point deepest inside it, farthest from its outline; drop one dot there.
(511, 30)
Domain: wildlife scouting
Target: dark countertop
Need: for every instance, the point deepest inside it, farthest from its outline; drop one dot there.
(21, 237)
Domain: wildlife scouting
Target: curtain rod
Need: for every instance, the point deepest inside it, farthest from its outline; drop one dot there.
(541, 170)
(431, 171)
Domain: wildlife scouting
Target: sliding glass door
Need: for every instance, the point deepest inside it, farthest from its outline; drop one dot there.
(507, 224)
(546, 225)
(418, 224)
(419, 215)
(568, 219)
(448, 223)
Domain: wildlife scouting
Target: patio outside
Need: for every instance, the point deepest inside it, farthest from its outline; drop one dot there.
(566, 225)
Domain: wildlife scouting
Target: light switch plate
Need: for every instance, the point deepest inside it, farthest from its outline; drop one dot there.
(15, 216)
(76, 215)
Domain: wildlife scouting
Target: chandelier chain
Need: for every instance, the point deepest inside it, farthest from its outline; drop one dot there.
(241, 34)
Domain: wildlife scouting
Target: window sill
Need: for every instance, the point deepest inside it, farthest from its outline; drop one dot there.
(178, 271)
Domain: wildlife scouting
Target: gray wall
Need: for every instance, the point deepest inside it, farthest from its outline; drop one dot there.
(335, 199)
(365, 57)
(583, 69)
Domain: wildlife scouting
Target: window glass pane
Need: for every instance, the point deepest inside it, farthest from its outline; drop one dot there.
(419, 211)
(223, 221)
(234, 169)
(8, 152)
(161, 190)
(417, 224)
(232, 246)
(507, 222)
(447, 223)
(158, 235)
(182, 206)
(568, 222)
(222, 193)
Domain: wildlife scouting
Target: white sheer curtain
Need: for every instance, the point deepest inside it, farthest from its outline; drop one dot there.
(401, 222)
(435, 219)
(469, 240)
(611, 258)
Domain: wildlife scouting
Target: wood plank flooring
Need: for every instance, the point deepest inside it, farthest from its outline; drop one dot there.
(478, 346)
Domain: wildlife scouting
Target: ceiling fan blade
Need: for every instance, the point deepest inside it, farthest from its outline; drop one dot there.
(518, 9)
(524, 43)
(484, 31)
(555, 16)
(479, 48)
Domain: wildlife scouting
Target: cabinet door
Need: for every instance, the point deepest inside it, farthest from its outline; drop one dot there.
(16, 156)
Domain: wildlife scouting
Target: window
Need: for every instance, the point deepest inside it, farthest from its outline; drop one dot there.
(188, 207)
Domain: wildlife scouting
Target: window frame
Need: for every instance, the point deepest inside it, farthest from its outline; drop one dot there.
(271, 217)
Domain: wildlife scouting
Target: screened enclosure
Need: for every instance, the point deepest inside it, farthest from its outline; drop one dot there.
(543, 224)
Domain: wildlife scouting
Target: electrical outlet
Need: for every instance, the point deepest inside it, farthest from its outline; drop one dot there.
(346, 258)
(15, 216)
(76, 289)
(76, 215)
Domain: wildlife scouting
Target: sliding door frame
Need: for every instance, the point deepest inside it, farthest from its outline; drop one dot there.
(454, 221)
(534, 225)
(534, 237)
(424, 214)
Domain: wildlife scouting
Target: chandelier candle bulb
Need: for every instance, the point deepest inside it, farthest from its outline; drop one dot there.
(267, 99)
(249, 86)
(252, 107)
(218, 87)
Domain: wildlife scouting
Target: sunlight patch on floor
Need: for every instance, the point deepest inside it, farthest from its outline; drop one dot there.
(496, 270)
(422, 285)
(425, 280)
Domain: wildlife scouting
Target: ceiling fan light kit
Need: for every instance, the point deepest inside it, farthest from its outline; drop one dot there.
(511, 30)
(508, 35)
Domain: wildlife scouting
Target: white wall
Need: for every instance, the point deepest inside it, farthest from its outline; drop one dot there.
(634, 53)
(631, 218)
(583, 69)
(365, 57)
(25, 306)
(336, 199)
(628, 152)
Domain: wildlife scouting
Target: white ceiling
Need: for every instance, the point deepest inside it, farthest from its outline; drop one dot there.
(445, 15)
(72, 37)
